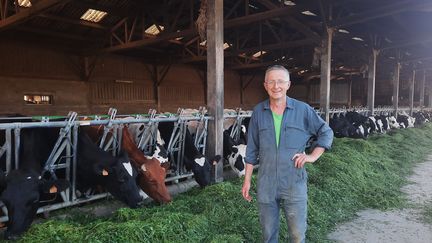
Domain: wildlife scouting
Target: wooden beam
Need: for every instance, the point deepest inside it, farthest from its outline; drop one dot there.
(396, 76)
(416, 59)
(232, 23)
(411, 92)
(28, 13)
(325, 73)
(371, 81)
(379, 12)
(215, 84)
(422, 89)
(74, 21)
(292, 22)
(60, 35)
(409, 42)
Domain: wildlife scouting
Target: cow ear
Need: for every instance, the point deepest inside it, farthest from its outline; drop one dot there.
(100, 170)
(54, 186)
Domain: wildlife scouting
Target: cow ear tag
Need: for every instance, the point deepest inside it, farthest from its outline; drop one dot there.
(143, 167)
(104, 172)
(53, 189)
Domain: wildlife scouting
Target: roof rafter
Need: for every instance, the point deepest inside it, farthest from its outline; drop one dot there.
(231, 23)
(387, 10)
(28, 13)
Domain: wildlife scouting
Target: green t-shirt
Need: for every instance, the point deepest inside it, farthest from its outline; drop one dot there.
(277, 121)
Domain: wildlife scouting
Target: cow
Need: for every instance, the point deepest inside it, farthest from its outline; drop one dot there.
(22, 189)
(343, 127)
(152, 172)
(405, 120)
(393, 123)
(194, 160)
(420, 118)
(98, 167)
(234, 153)
(385, 122)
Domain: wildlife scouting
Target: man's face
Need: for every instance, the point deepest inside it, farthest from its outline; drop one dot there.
(276, 84)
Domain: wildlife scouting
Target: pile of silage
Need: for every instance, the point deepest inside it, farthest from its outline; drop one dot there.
(355, 174)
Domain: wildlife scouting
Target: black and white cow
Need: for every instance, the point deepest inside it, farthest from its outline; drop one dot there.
(22, 189)
(234, 153)
(343, 127)
(194, 160)
(393, 123)
(420, 118)
(98, 167)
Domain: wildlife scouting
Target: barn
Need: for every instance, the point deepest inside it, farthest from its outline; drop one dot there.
(108, 59)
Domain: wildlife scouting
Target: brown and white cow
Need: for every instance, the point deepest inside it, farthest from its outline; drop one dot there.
(151, 172)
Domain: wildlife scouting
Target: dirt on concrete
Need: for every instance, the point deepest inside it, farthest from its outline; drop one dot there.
(397, 225)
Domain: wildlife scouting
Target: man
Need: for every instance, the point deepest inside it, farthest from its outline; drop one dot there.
(279, 130)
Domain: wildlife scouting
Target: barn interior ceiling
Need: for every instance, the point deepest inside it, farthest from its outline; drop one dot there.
(257, 33)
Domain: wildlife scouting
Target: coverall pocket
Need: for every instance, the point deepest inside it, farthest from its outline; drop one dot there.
(296, 137)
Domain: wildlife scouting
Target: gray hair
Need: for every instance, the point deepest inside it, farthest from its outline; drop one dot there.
(277, 67)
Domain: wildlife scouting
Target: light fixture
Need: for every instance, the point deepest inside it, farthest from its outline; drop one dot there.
(343, 31)
(357, 38)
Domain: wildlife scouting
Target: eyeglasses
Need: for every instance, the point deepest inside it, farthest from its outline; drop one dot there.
(279, 82)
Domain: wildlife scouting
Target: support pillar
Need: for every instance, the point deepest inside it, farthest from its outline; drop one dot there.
(371, 81)
(411, 92)
(396, 87)
(325, 73)
(422, 89)
(215, 85)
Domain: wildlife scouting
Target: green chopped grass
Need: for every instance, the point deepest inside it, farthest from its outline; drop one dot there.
(354, 175)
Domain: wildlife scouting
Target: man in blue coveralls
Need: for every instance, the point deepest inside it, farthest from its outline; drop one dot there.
(279, 130)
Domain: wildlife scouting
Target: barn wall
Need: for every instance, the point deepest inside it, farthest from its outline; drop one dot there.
(254, 91)
(340, 93)
(67, 96)
(116, 81)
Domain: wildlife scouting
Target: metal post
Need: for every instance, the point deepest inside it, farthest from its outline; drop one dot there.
(325, 73)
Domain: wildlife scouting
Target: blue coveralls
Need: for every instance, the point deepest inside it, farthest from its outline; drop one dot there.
(279, 182)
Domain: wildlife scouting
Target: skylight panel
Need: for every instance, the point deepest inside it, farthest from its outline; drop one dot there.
(357, 39)
(226, 45)
(153, 30)
(289, 3)
(24, 3)
(93, 15)
(308, 13)
(259, 53)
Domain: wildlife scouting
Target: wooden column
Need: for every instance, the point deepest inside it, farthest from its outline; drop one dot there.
(411, 92)
(396, 87)
(371, 81)
(422, 89)
(215, 79)
(325, 73)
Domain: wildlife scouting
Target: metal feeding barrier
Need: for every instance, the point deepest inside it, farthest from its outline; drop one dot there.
(62, 160)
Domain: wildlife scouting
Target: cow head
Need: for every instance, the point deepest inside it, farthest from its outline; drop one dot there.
(115, 174)
(119, 178)
(152, 173)
(21, 194)
(152, 181)
(393, 123)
